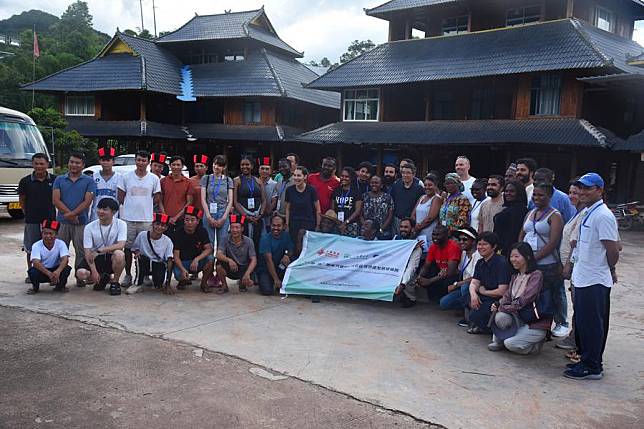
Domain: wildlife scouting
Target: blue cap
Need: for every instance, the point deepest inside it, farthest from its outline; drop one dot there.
(591, 179)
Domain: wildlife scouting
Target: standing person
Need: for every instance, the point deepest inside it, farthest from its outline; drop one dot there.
(139, 192)
(363, 176)
(154, 254)
(49, 257)
(559, 200)
(542, 230)
(493, 205)
(275, 252)
(593, 275)
(200, 163)
(509, 221)
(378, 206)
(325, 182)
(389, 177)
(176, 190)
(293, 161)
(236, 257)
(73, 195)
(467, 238)
(441, 265)
(192, 251)
(511, 172)
(217, 198)
(35, 194)
(107, 180)
(268, 185)
(278, 203)
(346, 202)
(248, 199)
(157, 163)
(104, 241)
(479, 188)
(462, 168)
(302, 206)
(455, 211)
(525, 173)
(427, 211)
(405, 192)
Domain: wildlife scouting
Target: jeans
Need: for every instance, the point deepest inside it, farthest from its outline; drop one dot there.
(36, 277)
(266, 284)
(186, 264)
(592, 314)
(452, 301)
(157, 269)
(216, 235)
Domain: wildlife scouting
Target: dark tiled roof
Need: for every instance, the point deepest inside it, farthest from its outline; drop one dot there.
(93, 128)
(399, 5)
(564, 132)
(235, 25)
(243, 132)
(555, 45)
(118, 71)
(634, 143)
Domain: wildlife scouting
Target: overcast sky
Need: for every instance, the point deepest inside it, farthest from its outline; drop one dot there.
(320, 28)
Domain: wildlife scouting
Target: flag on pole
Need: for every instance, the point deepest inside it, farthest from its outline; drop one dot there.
(36, 48)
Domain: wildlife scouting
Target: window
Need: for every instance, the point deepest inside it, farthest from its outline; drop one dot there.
(443, 106)
(234, 56)
(456, 25)
(361, 105)
(252, 112)
(604, 19)
(79, 105)
(483, 101)
(546, 95)
(523, 15)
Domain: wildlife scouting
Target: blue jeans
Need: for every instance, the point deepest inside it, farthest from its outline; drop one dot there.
(186, 265)
(219, 233)
(452, 301)
(560, 301)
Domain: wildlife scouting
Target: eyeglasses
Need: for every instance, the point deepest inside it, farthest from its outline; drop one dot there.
(462, 238)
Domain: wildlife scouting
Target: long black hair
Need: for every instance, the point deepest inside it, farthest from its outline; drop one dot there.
(525, 250)
(522, 196)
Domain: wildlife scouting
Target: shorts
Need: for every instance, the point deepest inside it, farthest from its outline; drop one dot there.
(31, 235)
(133, 230)
(237, 275)
(103, 264)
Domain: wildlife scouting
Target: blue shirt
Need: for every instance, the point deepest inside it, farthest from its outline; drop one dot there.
(561, 202)
(72, 194)
(275, 246)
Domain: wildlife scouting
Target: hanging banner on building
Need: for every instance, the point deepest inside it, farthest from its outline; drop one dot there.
(332, 265)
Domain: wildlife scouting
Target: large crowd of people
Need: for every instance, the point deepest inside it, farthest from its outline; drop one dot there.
(497, 250)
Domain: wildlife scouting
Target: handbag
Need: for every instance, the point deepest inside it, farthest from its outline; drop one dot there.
(539, 309)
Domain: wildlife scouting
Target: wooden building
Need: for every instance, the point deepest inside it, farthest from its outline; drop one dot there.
(558, 80)
(219, 84)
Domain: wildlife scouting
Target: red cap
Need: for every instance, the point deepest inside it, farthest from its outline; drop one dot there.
(160, 157)
(200, 159)
(161, 218)
(106, 152)
(264, 161)
(237, 219)
(50, 224)
(192, 211)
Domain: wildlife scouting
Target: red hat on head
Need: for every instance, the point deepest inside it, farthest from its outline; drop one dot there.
(161, 218)
(192, 211)
(160, 157)
(237, 219)
(50, 224)
(106, 152)
(264, 161)
(200, 159)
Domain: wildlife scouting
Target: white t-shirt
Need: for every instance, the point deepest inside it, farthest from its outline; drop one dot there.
(138, 205)
(591, 266)
(105, 189)
(467, 191)
(528, 190)
(163, 246)
(96, 235)
(467, 264)
(474, 213)
(49, 258)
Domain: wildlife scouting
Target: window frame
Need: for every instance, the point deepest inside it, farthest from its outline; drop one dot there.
(536, 103)
(355, 100)
(524, 16)
(611, 22)
(457, 32)
(255, 104)
(86, 97)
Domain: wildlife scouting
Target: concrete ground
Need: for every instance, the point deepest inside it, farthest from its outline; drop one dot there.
(416, 361)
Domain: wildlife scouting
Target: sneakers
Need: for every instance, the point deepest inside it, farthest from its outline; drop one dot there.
(115, 288)
(495, 347)
(580, 372)
(81, 283)
(134, 289)
(560, 331)
(127, 281)
(102, 282)
(147, 281)
(463, 323)
(567, 344)
(405, 301)
(27, 280)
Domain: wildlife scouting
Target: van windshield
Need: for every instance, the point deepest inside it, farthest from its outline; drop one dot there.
(19, 142)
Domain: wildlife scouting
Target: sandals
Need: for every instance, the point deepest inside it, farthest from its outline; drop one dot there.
(573, 356)
(221, 290)
(243, 288)
(475, 330)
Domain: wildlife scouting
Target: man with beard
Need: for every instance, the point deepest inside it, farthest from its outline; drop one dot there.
(279, 192)
(389, 177)
(406, 291)
(525, 173)
(325, 182)
(493, 205)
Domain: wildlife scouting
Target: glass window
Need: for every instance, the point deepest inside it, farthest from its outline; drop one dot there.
(483, 104)
(234, 56)
(443, 105)
(361, 105)
(252, 112)
(604, 19)
(546, 95)
(523, 15)
(455, 25)
(79, 105)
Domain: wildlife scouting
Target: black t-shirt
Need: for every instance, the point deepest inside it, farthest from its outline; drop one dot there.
(493, 273)
(345, 201)
(302, 203)
(190, 245)
(39, 205)
(405, 198)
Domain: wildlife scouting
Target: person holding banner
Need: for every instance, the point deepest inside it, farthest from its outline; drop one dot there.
(217, 200)
(236, 258)
(346, 201)
(302, 206)
(379, 206)
(406, 291)
(441, 266)
(275, 252)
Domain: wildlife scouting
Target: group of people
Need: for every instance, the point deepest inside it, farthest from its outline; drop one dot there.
(496, 249)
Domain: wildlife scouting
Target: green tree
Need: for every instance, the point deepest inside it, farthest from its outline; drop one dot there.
(355, 49)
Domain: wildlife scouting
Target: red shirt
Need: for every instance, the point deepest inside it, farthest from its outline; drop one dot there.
(175, 194)
(324, 189)
(442, 255)
(195, 191)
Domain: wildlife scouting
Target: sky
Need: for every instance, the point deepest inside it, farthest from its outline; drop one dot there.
(320, 28)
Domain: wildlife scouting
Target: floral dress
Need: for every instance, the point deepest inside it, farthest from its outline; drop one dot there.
(376, 208)
(455, 212)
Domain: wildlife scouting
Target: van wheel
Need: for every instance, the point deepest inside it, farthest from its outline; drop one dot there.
(16, 214)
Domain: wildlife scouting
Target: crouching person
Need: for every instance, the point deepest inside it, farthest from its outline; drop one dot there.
(236, 258)
(104, 244)
(153, 251)
(275, 252)
(192, 251)
(49, 259)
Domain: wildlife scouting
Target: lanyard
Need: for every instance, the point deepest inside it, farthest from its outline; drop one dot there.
(590, 212)
(451, 197)
(109, 230)
(535, 221)
(465, 264)
(250, 183)
(476, 204)
(216, 191)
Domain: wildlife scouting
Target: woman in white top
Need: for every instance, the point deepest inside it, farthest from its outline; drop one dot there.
(427, 211)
